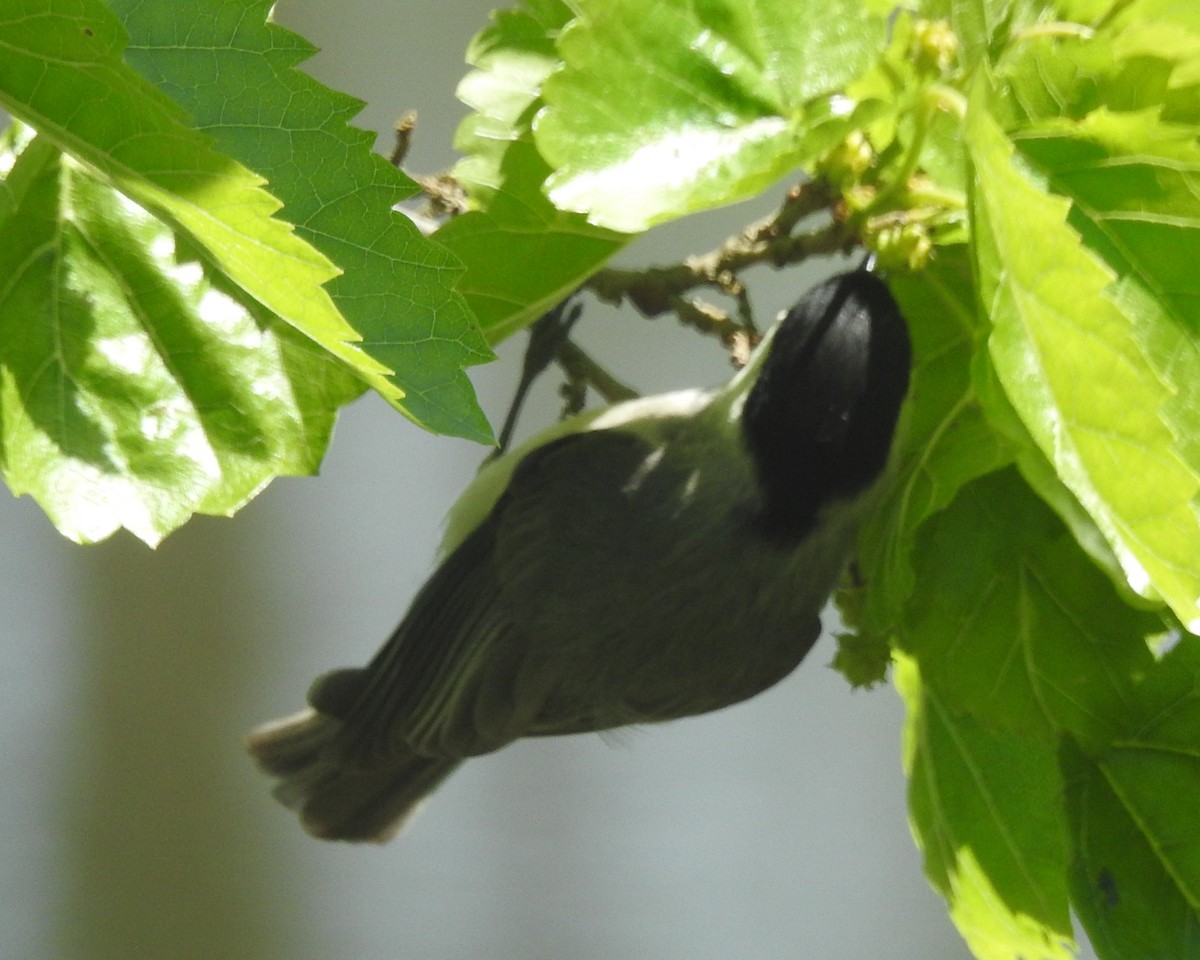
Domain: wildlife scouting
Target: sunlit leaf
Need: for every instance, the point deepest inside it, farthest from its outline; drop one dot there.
(664, 109)
(62, 72)
(986, 810)
(521, 253)
(1134, 183)
(236, 76)
(133, 393)
(1164, 29)
(1072, 367)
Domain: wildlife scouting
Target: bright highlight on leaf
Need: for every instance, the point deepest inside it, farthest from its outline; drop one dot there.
(1073, 369)
(63, 74)
(1134, 181)
(395, 287)
(664, 109)
(521, 253)
(132, 392)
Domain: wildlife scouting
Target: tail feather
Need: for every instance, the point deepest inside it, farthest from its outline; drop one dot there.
(337, 800)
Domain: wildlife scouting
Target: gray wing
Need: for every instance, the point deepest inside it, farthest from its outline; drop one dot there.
(420, 671)
(460, 676)
(596, 593)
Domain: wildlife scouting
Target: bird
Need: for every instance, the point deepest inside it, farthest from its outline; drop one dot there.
(660, 558)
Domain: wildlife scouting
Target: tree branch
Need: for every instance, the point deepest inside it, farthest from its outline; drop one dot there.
(658, 290)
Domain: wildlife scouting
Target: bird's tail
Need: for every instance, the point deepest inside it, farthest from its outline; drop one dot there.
(337, 800)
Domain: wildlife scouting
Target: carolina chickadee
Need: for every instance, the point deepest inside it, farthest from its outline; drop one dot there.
(657, 559)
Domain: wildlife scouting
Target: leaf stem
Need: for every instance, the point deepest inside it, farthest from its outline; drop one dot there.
(912, 159)
(1055, 28)
(948, 99)
(927, 193)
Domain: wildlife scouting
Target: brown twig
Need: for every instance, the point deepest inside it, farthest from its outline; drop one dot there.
(404, 134)
(658, 290)
(445, 196)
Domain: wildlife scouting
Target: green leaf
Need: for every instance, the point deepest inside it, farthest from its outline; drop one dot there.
(236, 75)
(512, 57)
(1085, 11)
(943, 440)
(1134, 183)
(982, 26)
(63, 74)
(1073, 369)
(1141, 55)
(986, 810)
(665, 109)
(1163, 29)
(1040, 474)
(862, 657)
(521, 253)
(1135, 877)
(132, 393)
(1127, 901)
(1014, 625)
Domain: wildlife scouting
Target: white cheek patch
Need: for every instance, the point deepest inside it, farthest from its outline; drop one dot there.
(645, 468)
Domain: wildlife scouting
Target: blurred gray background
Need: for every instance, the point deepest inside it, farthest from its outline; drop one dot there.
(135, 827)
